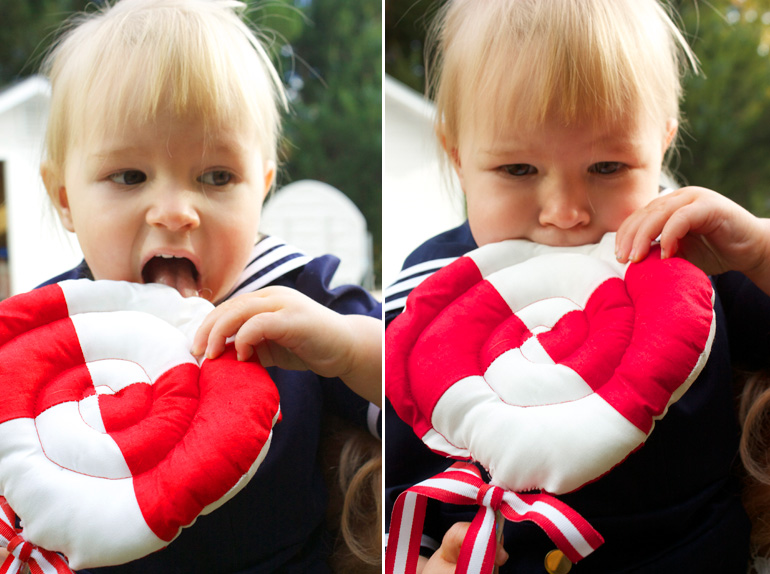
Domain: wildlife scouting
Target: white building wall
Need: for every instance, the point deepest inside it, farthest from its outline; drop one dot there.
(419, 199)
(38, 247)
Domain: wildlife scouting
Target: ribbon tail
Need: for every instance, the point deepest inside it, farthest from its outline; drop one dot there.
(571, 533)
(407, 519)
(11, 565)
(48, 562)
(477, 553)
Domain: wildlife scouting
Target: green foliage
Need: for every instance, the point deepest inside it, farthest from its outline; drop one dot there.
(406, 23)
(334, 132)
(26, 28)
(726, 140)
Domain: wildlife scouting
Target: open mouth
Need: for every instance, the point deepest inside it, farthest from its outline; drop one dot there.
(177, 272)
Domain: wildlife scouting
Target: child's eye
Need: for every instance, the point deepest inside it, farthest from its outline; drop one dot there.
(519, 169)
(128, 177)
(606, 167)
(217, 177)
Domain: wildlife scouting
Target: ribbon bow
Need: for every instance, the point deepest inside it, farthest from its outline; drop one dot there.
(21, 552)
(462, 484)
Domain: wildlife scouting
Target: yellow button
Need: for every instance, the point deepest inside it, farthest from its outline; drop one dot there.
(557, 563)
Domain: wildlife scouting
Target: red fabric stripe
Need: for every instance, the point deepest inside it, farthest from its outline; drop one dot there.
(206, 457)
(394, 535)
(43, 375)
(609, 315)
(445, 354)
(31, 310)
(166, 420)
(128, 406)
(566, 336)
(665, 346)
(435, 293)
(473, 541)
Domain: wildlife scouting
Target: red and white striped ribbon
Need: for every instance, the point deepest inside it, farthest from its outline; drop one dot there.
(21, 552)
(462, 484)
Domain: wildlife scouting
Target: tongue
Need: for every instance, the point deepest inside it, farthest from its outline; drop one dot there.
(177, 273)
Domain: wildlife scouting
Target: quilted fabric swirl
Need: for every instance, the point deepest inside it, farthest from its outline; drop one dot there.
(548, 366)
(112, 436)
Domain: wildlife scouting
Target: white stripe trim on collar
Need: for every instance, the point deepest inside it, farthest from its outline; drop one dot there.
(265, 253)
(433, 264)
(271, 276)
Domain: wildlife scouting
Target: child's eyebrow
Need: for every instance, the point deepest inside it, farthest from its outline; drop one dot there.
(107, 153)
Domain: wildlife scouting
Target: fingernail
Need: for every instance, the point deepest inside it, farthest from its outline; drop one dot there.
(247, 355)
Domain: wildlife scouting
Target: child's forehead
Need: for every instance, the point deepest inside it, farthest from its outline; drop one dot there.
(505, 121)
(110, 135)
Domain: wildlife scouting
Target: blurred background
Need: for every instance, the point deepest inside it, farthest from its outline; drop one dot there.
(725, 140)
(329, 53)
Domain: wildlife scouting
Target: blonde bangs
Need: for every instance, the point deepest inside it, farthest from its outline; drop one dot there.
(142, 58)
(572, 61)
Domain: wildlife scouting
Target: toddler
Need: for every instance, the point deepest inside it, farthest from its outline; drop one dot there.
(557, 117)
(160, 150)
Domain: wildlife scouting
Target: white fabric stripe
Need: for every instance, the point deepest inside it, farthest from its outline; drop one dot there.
(580, 438)
(70, 442)
(482, 538)
(372, 414)
(534, 383)
(395, 304)
(465, 470)
(452, 485)
(434, 264)
(283, 269)
(102, 537)
(404, 539)
(559, 520)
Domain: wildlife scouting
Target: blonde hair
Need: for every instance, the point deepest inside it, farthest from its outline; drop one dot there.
(754, 415)
(353, 464)
(136, 59)
(568, 60)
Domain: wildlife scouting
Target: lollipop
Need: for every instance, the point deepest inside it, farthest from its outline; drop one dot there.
(112, 436)
(548, 366)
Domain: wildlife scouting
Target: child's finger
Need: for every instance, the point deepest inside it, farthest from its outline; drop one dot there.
(453, 541)
(225, 321)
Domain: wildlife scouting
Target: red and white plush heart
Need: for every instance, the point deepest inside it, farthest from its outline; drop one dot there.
(548, 366)
(112, 436)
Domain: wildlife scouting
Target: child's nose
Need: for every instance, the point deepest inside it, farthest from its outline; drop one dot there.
(565, 206)
(173, 209)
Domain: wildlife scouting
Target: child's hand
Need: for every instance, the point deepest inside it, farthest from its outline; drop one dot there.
(704, 227)
(444, 560)
(291, 331)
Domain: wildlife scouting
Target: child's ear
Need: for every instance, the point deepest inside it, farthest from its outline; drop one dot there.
(58, 194)
(454, 156)
(671, 128)
(269, 177)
